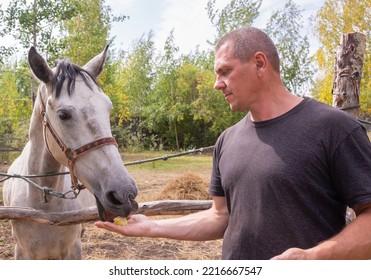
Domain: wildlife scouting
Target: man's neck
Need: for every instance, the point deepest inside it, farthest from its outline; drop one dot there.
(274, 106)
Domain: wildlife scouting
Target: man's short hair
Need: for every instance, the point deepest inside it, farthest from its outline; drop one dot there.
(249, 40)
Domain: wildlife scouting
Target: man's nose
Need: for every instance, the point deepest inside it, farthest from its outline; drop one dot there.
(219, 84)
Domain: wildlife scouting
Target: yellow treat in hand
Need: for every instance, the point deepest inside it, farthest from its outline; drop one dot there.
(120, 221)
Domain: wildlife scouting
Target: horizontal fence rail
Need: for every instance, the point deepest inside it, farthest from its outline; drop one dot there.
(151, 208)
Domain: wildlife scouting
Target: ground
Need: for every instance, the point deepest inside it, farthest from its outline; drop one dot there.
(99, 244)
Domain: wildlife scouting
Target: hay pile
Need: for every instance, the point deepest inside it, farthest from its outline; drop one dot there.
(187, 186)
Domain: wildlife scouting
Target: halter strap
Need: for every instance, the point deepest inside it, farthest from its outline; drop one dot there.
(72, 154)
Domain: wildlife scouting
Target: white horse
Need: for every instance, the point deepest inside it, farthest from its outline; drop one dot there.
(69, 128)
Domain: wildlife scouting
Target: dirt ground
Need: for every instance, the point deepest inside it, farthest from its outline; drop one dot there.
(99, 244)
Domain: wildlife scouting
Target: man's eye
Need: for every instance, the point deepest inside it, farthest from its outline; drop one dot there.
(224, 72)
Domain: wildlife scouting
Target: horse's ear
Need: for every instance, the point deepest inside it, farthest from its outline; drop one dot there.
(39, 66)
(95, 66)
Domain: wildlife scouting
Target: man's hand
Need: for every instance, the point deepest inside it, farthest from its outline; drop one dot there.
(138, 225)
(294, 254)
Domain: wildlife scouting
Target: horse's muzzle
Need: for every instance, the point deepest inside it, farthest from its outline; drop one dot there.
(115, 207)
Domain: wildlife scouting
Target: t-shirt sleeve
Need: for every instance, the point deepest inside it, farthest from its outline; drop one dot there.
(215, 188)
(351, 168)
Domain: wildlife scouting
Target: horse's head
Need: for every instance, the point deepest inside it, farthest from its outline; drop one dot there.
(77, 131)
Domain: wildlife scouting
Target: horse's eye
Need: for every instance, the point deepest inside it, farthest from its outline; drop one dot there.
(63, 115)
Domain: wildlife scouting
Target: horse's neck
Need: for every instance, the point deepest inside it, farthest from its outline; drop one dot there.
(40, 161)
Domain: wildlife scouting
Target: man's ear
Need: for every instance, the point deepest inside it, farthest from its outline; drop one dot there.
(261, 62)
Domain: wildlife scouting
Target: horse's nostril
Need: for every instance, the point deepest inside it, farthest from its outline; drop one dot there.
(112, 197)
(115, 199)
(131, 197)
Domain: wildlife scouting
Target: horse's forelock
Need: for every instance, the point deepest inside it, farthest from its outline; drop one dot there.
(67, 71)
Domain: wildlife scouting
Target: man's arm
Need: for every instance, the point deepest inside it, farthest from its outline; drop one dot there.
(204, 225)
(352, 243)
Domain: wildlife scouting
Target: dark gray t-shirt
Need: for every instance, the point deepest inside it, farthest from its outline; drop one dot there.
(287, 181)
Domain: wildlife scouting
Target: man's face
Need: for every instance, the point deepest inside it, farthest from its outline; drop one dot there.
(236, 79)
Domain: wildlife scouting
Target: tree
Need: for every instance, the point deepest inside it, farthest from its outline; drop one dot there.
(285, 28)
(137, 77)
(211, 107)
(15, 109)
(161, 114)
(235, 14)
(5, 52)
(38, 22)
(33, 23)
(87, 33)
(335, 18)
(139, 73)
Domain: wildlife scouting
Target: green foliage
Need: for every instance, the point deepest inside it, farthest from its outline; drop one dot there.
(137, 74)
(285, 28)
(134, 80)
(34, 23)
(112, 83)
(235, 14)
(15, 109)
(210, 105)
(184, 109)
(86, 33)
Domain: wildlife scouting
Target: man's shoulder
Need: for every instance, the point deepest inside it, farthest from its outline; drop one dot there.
(326, 114)
(233, 128)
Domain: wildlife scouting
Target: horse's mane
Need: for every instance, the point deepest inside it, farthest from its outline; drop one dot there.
(66, 70)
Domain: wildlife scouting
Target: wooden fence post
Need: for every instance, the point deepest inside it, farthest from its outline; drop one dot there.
(347, 80)
(348, 72)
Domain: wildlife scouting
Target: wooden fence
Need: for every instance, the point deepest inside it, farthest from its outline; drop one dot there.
(154, 208)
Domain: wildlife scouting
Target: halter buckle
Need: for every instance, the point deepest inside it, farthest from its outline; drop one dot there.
(70, 154)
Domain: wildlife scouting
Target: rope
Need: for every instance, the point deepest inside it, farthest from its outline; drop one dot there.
(355, 107)
(8, 176)
(365, 122)
(71, 194)
(351, 107)
(166, 157)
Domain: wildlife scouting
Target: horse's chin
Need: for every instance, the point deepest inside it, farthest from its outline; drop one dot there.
(104, 214)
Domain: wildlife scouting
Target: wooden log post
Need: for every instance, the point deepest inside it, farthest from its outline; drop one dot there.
(348, 72)
(347, 80)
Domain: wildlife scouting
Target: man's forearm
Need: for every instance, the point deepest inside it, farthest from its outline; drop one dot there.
(200, 226)
(353, 242)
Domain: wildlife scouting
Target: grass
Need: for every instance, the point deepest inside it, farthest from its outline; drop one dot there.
(192, 162)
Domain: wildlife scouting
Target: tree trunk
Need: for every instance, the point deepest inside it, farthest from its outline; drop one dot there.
(176, 136)
(347, 80)
(348, 72)
(34, 35)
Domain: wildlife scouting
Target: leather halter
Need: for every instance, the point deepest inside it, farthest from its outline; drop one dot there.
(72, 154)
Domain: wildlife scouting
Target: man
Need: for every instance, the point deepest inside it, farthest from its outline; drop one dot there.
(282, 176)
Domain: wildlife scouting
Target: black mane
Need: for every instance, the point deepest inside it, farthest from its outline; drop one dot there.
(68, 71)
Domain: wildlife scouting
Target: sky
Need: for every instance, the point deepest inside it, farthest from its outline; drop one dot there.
(188, 18)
